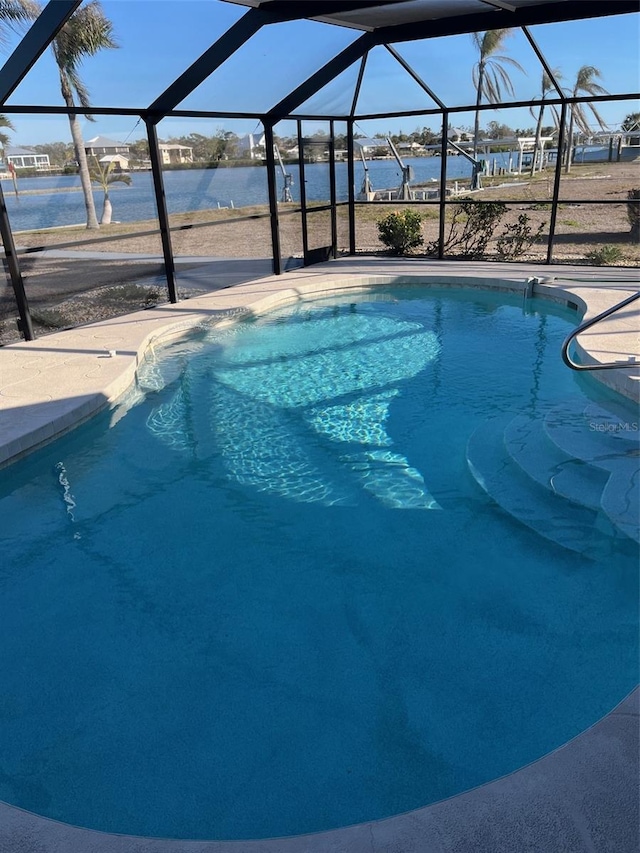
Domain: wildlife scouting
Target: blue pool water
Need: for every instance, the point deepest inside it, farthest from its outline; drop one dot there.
(264, 594)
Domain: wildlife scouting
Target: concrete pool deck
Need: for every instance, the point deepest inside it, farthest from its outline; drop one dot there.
(582, 798)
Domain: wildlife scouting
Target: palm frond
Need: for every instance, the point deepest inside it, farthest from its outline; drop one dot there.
(15, 13)
(79, 87)
(586, 81)
(547, 85)
(104, 174)
(492, 40)
(491, 90)
(495, 82)
(509, 60)
(504, 80)
(87, 32)
(594, 111)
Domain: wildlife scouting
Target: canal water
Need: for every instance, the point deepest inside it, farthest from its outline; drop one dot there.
(56, 200)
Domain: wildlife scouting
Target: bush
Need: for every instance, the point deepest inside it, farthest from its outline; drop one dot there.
(401, 231)
(472, 226)
(605, 256)
(516, 239)
(633, 212)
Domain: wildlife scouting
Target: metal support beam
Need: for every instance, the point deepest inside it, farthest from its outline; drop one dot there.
(36, 40)
(536, 102)
(542, 59)
(303, 192)
(206, 64)
(269, 13)
(351, 177)
(294, 9)
(544, 13)
(13, 270)
(161, 206)
(273, 198)
(332, 190)
(443, 182)
(556, 184)
(356, 91)
(415, 76)
(325, 75)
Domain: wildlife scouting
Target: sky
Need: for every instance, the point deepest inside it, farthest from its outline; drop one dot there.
(158, 39)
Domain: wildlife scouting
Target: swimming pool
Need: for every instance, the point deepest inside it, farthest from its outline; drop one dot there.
(267, 595)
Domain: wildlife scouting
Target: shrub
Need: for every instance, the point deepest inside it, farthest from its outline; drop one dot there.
(633, 212)
(472, 226)
(401, 231)
(605, 256)
(517, 238)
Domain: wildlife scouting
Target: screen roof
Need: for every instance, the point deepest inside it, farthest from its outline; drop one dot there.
(378, 15)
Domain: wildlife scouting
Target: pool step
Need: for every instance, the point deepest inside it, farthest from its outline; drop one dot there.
(574, 526)
(606, 440)
(542, 460)
(592, 433)
(572, 472)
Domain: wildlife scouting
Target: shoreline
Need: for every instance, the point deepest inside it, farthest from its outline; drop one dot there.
(56, 277)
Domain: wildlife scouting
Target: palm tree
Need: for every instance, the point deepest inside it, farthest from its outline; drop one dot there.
(16, 12)
(585, 84)
(547, 86)
(4, 137)
(86, 33)
(632, 123)
(104, 175)
(489, 76)
(13, 12)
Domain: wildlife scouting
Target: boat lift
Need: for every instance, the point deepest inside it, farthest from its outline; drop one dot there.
(367, 192)
(404, 191)
(287, 178)
(476, 182)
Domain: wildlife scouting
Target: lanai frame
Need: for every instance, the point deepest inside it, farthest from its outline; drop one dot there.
(270, 12)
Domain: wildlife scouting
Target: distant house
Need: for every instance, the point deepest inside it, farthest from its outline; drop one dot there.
(120, 162)
(172, 154)
(100, 146)
(456, 134)
(410, 148)
(26, 158)
(371, 145)
(252, 146)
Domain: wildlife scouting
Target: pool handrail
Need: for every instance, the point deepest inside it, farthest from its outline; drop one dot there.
(574, 365)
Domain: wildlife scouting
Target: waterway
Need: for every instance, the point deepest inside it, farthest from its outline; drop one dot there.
(56, 200)
(52, 201)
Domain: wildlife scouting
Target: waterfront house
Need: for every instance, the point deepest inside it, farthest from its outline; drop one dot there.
(173, 154)
(26, 158)
(100, 146)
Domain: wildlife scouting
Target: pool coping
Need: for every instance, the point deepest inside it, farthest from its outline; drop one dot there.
(583, 794)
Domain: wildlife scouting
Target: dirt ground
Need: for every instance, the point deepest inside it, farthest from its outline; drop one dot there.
(72, 287)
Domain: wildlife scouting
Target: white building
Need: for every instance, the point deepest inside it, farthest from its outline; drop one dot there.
(251, 145)
(172, 154)
(120, 162)
(100, 146)
(26, 158)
